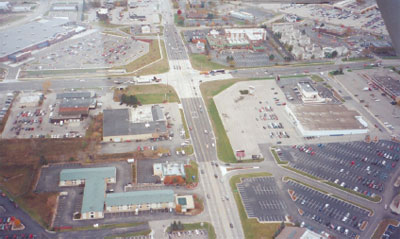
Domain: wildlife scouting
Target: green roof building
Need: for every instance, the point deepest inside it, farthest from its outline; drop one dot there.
(140, 200)
(95, 181)
(95, 200)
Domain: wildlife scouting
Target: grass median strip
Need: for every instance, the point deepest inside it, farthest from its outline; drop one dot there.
(305, 184)
(327, 193)
(132, 234)
(277, 158)
(187, 136)
(251, 227)
(376, 198)
(105, 226)
(301, 172)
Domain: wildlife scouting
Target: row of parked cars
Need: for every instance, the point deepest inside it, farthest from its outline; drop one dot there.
(7, 104)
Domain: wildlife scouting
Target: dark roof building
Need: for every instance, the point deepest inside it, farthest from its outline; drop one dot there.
(141, 123)
(70, 95)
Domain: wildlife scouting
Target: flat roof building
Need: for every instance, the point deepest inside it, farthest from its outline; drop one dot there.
(326, 120)
(186, 202)
(95, 181)
(169, 169)
(308, 93)
(96, 202)
(140, 200)
(298, 233)
(34, 35)
(73, 95)
(141, 123)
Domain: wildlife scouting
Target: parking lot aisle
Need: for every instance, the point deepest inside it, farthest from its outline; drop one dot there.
(327, 213)
(262, 199)
(361, 167)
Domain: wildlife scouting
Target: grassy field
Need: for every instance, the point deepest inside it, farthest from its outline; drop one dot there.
(188, 149)
(187, 136)
(193, 226)
(200, 62)
(20, 163)
(193, 170)
(251, 227)
(317, 78)
(156, 68)
(149, 94)
(103, 24)
(151, 56)
(8, 18)
(114, 33)
(127, 30)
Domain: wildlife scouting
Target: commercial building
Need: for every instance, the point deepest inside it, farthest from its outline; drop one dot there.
(299, 233)
(141, 123)
(17, 43)
(308, 93)
(381, 47)
(140, 201)
(186, 202)
(96, 202)
(302, 47)
(73, 105)
(169, 169)
(237, 38)
(95, 181)
(326, 120)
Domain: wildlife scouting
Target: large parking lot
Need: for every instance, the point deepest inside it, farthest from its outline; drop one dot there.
(29, 121)
(358, 166)
(264, 114)
(335, 216)
(371, 98)
(91, 49)
(261, 199)
(9, 213)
